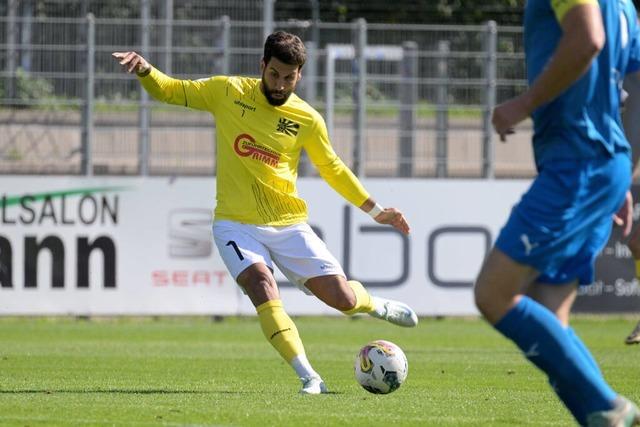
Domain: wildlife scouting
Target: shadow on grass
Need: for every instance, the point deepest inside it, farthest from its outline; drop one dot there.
(122, 391)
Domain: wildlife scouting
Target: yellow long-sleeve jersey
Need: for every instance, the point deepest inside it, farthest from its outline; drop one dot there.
(258, 147)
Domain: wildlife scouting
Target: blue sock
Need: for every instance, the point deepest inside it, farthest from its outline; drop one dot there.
(565, 392)
(546, 343)
(571, 400)
(583, 349)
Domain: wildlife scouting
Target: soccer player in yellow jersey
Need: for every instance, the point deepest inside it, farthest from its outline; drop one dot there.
(259, 220)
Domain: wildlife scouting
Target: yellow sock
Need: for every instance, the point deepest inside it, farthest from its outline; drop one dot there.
(638, 268)
(280, 330)
(364, 302)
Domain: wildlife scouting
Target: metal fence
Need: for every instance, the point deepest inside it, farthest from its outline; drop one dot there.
(401, 100)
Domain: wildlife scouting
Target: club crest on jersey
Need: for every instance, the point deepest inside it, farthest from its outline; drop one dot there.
(245, 145)
(287, 126)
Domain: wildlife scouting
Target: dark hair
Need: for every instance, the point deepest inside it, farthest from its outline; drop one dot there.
(285, 47)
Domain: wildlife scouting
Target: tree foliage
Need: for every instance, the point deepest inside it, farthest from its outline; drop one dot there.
(505, 12)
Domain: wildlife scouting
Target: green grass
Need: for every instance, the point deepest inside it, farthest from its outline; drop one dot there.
(195, 372)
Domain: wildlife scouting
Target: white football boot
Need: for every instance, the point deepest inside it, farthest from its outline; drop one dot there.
(394, 312)
(624, 414)
(313, 385)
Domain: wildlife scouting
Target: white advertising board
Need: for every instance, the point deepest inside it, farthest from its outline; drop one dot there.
(140, 246)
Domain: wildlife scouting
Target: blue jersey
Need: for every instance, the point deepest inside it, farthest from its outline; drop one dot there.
(584, 121)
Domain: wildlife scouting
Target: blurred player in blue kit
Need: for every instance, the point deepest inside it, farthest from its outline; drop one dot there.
(577, 54)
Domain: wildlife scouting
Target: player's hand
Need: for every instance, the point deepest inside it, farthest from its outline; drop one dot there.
(395, 218)
(508, 114)
(132, 62)
(624, 218)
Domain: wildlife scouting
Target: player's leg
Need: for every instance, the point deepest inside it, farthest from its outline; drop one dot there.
(249, 262)
(350, 297)
(557, 228)
(559, 300)
(306, 261)
(278, 328)
(537, 331)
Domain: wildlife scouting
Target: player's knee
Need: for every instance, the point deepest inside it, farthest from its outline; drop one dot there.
(260, 287)
(492, 302)
(263, 284)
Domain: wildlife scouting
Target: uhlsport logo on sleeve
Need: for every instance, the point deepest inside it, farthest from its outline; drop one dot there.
(39, 222)
(246, 146)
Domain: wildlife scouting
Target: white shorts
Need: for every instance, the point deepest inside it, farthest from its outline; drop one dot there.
(297, 251)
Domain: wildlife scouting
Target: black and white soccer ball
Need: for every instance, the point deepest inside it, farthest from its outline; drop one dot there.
(381, 367)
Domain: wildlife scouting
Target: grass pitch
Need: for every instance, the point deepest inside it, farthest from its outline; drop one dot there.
(196, 372)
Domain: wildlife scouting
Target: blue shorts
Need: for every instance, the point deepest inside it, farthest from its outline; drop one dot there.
(564, 220)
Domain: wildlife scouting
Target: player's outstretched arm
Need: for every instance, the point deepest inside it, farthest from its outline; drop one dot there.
(333, 170)
(186, 93)
(582, 39)
(132, 62)
(389, 216)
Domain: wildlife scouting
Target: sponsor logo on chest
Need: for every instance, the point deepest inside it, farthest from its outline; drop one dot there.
(246, 146)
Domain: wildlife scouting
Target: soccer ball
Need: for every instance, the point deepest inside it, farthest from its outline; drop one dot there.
(381, 367)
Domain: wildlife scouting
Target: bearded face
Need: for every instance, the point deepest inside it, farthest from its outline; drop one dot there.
(279, 80)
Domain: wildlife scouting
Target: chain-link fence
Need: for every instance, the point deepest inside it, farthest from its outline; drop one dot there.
(421, 109)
